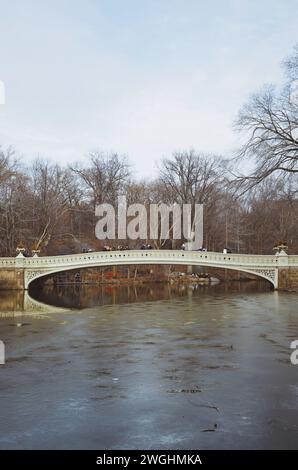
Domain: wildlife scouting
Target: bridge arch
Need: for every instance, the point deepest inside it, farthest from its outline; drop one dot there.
(263, 266)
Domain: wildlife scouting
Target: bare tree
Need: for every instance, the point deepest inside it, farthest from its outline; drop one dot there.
(8, 164)
(13, 195)
(191, 177)
(269, 123)
(104, 177)
(50, 199)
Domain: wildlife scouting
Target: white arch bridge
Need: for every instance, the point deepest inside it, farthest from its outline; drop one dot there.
(268, 267)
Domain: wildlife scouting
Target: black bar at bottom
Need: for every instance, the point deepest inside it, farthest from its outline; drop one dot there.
(130, 459)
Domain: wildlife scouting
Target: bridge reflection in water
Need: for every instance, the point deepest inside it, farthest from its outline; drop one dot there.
(48, 299)
(14, 303)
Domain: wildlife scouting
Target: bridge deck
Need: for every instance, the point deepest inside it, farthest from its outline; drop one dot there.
(265, 266)
(146, 255)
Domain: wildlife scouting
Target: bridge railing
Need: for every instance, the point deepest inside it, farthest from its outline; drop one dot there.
(162, 256)
(293, 260)
(7, 262)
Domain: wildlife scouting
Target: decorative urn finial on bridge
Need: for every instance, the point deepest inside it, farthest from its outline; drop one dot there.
(35, 250)
(20, 250)
(281, 248)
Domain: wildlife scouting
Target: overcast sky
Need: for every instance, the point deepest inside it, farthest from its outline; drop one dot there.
(140, 77)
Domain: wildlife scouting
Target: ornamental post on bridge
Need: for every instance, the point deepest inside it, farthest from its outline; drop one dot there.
(35, 250)
(20, 250)
(16, 277)
(284, 273)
